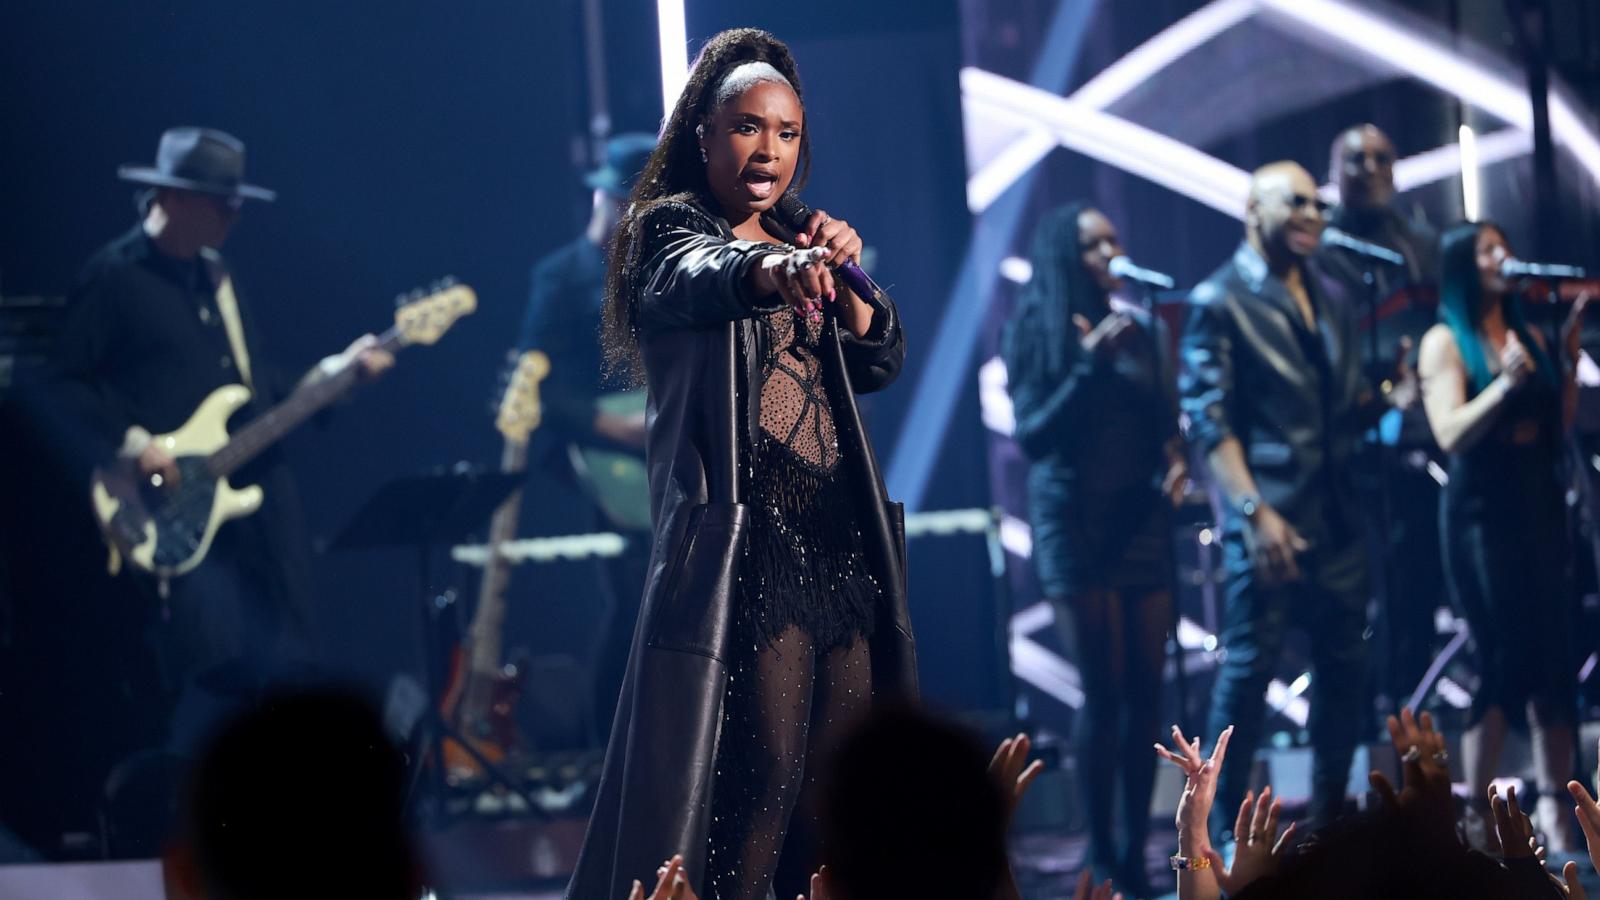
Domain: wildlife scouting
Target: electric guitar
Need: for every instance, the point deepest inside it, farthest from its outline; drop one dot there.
(167, 531)
(482, 693)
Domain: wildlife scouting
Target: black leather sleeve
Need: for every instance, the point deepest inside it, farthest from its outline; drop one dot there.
(693, 276)
(1205, 373)
(874, 359)
(1046, 407)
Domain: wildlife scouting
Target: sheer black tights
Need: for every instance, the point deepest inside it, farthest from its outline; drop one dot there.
(1121, 648)
(786, 706)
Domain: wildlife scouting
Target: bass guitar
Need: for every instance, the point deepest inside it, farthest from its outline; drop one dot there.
(482, 693)
(167, 530)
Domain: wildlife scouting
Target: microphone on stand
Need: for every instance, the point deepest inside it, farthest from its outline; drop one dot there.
(1332, 235)
(1516, 268)
(793, 213)
(1123, 267)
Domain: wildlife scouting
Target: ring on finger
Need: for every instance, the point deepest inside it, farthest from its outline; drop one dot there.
(1441, 756)
(1411, 755)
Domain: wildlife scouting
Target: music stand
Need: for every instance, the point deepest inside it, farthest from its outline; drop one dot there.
(425, 512)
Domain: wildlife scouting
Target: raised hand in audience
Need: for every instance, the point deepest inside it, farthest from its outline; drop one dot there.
(1259, 847)
(1517, 838)
(1568, 884)
(1200, 790)
(671, 883)
(1425, 773)
(1012, 771)
(1088, 890)
(819, 886)
(1198, 881)
(1588, 813)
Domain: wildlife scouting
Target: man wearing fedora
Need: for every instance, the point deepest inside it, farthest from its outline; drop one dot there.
(562, 319)
(153, 326)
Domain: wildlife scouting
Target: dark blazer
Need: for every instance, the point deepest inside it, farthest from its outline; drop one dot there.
(702, 340)
(1295, 398)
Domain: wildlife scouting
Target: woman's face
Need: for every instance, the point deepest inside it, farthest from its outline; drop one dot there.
(752, 145)
(1492, 249)
(1098, 245)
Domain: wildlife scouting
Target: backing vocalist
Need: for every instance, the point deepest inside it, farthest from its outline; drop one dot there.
(1499, 405)
(774, 609)
(1096, 411)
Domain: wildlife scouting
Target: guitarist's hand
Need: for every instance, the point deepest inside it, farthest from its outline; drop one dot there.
(363, 352)
(154, 461)
(372, 359)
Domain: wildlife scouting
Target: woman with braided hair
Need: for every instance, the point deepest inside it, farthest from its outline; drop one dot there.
(1093, 393)
(774, 609)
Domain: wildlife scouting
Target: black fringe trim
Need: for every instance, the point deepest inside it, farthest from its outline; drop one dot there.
(804, 564)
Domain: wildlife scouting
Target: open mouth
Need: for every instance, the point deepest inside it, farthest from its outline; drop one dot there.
(761, 183)
(1303, 238)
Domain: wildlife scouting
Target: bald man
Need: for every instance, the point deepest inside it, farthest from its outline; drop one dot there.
(1362, 165)
(1271, 382)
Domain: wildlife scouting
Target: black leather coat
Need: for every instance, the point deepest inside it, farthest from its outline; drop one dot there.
(1295, 398)
(703, 340)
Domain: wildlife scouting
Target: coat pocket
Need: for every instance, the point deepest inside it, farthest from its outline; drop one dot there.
(694, 612)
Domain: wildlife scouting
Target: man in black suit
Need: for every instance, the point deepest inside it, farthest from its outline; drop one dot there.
(1271, 382)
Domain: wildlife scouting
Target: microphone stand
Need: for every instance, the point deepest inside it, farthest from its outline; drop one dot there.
(1180, 671)
(1385, 463)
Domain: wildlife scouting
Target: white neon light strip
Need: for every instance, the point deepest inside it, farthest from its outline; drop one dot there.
(1362, 32)
(1134, 148)
(1444, 162)
(1037, 617)
(1143, 62)
(1046, 671)
(994, 401)
(673, 35)
(1016, 537)
(1470, 196)
(987, 184)
(1016, 270)
(1367, 33)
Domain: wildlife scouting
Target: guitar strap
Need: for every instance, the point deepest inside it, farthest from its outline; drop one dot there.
(228, 306)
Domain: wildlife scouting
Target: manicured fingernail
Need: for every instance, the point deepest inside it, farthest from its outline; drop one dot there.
(832, 296)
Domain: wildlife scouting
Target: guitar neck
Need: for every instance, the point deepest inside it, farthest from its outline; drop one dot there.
(306, 401)
(485, 629)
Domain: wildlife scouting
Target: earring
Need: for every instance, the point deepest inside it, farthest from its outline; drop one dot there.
(703, 156)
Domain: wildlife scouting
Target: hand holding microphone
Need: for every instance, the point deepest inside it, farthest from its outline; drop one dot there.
(822, 230)
(1515, 362)
(845, 258)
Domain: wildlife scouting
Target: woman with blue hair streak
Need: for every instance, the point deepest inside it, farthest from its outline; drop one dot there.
(1499, 403)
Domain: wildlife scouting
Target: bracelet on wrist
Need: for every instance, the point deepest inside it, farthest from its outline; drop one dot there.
(1182, 863)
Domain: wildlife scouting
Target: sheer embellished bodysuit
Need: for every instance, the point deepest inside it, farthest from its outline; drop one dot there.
(799, 671)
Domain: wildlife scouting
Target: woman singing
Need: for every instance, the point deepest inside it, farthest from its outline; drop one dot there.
(752, 355)
(1499, 406)
(1096, 412)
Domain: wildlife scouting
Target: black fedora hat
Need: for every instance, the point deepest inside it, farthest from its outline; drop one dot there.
(626, 155)
(198, 159)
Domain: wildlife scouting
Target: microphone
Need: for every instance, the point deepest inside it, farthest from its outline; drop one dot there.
(1516, 268)
(1123, 267)
(1332, 235)
(794, 214)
